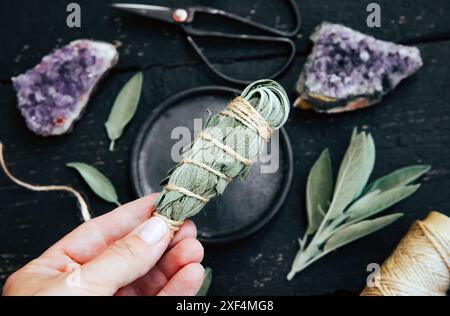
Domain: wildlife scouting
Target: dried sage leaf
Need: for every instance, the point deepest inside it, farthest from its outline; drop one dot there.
(319, 190)
(124, 108)
(356, 231)
(399, 177)
(206, 282)
(354, 173)
(98, 182)
(377, 201)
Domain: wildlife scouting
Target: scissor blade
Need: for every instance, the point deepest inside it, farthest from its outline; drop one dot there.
(150, 11)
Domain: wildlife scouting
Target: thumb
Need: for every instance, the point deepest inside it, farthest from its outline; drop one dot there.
(127, 259)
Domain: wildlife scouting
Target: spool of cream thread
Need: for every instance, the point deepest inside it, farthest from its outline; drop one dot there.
(420, 265)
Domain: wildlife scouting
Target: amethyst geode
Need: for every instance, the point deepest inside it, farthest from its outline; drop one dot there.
(52, 95)
(348, 70)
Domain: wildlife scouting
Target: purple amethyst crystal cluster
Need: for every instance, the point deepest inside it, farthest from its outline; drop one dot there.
(348, 70)
(52, 95)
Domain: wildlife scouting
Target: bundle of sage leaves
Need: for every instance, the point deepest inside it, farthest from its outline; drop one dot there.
(338, 212)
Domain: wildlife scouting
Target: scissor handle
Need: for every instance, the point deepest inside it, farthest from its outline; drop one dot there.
(194, 32)
(242, 20)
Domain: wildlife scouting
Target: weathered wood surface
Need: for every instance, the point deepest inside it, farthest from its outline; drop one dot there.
(411, 125)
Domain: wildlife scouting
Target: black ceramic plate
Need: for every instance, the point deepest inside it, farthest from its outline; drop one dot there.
(245, 206)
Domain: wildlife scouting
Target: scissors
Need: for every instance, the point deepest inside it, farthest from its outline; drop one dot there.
(184, 17)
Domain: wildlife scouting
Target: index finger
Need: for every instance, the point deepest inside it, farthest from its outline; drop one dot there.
(89, 239)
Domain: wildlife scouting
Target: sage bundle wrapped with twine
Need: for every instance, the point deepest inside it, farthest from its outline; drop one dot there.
(420, 266)
(224, 150)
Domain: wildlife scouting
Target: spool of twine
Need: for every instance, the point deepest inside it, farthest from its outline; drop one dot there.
(420, 265)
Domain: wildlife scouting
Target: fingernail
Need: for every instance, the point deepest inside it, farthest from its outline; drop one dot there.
(152, 231)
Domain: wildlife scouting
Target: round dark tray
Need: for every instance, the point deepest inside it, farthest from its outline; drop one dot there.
(245, 206)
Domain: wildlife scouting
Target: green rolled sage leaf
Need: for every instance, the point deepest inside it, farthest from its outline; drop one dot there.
(353, 232)
(124, 108)
(377, 201)
(206, 282)
(319, 190)
(354, 173)
(98, 182)
(399, 177)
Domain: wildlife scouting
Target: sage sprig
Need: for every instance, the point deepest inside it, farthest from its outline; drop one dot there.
(337, 216)
(97, 181)
(124, 108)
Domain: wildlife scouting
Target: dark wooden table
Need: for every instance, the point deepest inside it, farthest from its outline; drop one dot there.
(411, 125)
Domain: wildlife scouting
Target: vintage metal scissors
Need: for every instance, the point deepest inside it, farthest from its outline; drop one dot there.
(184, 17)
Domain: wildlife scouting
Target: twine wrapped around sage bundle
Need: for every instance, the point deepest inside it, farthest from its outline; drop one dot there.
(420, 265)
(224, 150)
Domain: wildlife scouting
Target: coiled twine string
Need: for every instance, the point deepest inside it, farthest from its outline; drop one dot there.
(262, 108)
(420, 265)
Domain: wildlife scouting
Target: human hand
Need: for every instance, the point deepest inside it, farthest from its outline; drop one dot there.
(120, 253)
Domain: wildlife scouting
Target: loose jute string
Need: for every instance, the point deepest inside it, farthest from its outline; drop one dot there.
(420, 265)
(82, 203)
(241, 110)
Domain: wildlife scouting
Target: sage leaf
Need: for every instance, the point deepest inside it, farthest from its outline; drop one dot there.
(377, 201)
(206, 282)
(370, 162)
(356, 231)
(354, 133)
(399, 177)
(124, 108)
(319, 190)
(98, 182)
(354, 173)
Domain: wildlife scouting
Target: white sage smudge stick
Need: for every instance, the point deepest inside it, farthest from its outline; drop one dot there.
(224, 150)
(82, 203)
